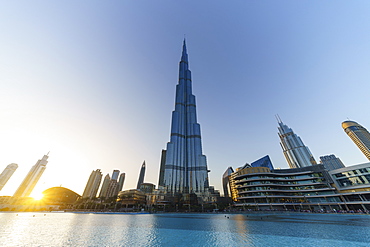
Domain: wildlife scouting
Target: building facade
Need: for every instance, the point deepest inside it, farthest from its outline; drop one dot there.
(359, 135)
(93, 184)
(295, 152)
(185, 167)
(6, 174)
(305, 188)
(330, 162)
(33, 176)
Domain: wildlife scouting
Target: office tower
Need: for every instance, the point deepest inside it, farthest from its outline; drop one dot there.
(93, 184)
(121, 181)
(295, 152)
(226, 181)
(115, 174)
(263, 162)
(185, 169)
(162, 168)
(6, 174)
(104, 187)
(33, 176)
(359, 135)
(141, 176)
(331, 162)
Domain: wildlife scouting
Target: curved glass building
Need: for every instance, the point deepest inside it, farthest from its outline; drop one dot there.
(359, 135)
(286, 189)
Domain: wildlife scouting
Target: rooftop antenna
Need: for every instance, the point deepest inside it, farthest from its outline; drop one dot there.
(278, 118)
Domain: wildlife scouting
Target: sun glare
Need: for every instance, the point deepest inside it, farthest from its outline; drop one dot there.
(38, 197)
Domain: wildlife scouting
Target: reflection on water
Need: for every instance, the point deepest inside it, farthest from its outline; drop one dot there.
(69, 229)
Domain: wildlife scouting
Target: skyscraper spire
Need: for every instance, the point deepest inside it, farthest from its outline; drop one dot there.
(185, 167)
(295, 152)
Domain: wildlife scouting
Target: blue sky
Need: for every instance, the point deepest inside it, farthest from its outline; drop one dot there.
(94, 82)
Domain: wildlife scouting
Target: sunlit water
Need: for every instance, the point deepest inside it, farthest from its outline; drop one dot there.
(69, 229)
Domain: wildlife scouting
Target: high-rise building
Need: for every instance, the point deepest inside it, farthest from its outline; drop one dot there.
(121, 181)
(331, 162)
(359, 135)
(295, 152)
(115, 174)
(104, 187)
(185, 169)
(111, 186)
(141, 176)
(93, 184)
(162, 168)
(33, 176)
(6, 174)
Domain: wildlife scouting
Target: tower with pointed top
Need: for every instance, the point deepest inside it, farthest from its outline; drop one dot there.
(33, 176)
(183, 165)
(141, 176)
(295, 152)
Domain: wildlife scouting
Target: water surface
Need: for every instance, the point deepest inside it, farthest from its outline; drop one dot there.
(72, 229)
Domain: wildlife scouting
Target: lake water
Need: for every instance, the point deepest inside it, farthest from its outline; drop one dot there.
(73, 229)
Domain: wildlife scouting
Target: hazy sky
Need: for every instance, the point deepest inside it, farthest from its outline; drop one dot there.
(93, 82)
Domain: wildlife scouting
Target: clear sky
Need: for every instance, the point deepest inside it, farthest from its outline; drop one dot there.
(93, 82)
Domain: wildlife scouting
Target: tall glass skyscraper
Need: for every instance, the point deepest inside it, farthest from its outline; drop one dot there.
(185, 167)
(359, 135)
(7, 173)
(295, 152)
(33, 176)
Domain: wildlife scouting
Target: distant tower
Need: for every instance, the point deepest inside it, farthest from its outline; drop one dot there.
(93, 184)
(295, 152)
(121, 181)
(185, 168)
(7, 173)
(331, 162)
(141, 176)
(33, 176)
(359, 135)
(162, 168)
(115, 174)
(104, 187)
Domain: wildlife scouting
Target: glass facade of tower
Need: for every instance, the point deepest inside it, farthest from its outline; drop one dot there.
(33, 176)
(359, 135)
(295, 152)
(185, 167)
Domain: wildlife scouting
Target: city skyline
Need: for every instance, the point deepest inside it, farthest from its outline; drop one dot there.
(96, 88)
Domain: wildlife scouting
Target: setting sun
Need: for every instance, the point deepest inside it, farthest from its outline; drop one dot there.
(38, 197)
